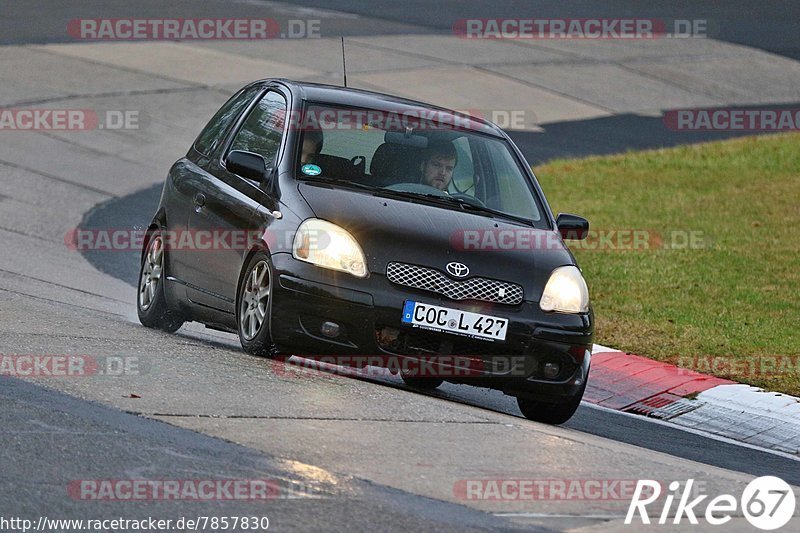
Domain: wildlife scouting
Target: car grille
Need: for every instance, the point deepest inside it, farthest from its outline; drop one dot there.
(429, 279)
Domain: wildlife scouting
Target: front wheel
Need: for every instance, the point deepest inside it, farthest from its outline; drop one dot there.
(551, 413)
(151, 304)
(254, 306)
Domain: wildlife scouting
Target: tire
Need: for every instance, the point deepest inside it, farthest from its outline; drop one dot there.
(151, 304)
(423, 384)
(254, 306)
(551, 413)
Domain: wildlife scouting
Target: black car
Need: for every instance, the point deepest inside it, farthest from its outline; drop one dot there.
(324, 221)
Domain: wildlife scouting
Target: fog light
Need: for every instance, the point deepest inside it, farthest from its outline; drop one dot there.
(551, 370)
(329, 329)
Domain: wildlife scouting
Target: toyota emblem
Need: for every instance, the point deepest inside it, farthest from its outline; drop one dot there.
(458, 270)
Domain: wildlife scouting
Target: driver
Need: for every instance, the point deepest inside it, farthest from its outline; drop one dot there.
(438, 162)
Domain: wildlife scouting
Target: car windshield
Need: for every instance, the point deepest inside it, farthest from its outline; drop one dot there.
(435, 159)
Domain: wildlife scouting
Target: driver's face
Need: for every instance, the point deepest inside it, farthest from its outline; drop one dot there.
(438, 171)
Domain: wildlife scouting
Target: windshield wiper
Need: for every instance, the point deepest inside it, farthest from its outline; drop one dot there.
(441, 199)
(470, 206)
(461, 203)
(341, 181)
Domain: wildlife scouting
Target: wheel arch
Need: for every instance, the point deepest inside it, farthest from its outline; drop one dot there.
(260, 246)
(159, 221)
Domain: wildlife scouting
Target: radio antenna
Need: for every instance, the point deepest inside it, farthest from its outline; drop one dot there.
(344, 64)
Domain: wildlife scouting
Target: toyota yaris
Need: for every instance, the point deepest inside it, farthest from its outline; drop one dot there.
(318, 220)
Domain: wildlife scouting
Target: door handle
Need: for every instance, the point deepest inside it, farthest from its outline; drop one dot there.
(199, 199)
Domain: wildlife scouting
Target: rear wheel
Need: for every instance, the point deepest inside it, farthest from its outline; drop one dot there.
(254, 305)
(551, 413)
(151, 304)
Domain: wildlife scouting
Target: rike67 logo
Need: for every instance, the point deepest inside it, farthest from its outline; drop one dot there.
(767, 502)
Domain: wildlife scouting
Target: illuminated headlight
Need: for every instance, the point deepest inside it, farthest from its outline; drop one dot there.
(565, 291)
(329, 246)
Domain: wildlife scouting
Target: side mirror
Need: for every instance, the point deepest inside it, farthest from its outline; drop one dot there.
(572, 226)
(247, 164)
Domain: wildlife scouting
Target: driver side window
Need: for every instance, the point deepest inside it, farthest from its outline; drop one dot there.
(262, 132)
(213, 132)
(464, 173)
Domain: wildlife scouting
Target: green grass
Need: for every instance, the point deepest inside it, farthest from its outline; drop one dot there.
(729, 307)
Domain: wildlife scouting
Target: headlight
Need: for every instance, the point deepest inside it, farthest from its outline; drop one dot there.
(329, 246)
(565, 291)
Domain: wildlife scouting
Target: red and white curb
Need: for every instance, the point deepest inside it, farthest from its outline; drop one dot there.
(634, 384)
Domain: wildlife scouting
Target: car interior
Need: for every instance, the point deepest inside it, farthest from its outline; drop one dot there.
(392, 159)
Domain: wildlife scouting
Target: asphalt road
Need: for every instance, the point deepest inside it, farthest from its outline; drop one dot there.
(771, 26)
(346, 453)
(50, 440)
(132, 211)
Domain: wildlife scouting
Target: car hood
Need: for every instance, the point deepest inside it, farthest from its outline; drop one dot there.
(422, 234)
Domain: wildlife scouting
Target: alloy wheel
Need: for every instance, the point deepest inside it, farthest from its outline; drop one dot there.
(255, 300)
(151, 272)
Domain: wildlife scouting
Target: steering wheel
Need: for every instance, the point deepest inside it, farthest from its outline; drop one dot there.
(419, 188)
(468, 198)
(422, 188)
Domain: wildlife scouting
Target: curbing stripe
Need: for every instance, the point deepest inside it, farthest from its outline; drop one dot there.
(621, 381)
(635, 384)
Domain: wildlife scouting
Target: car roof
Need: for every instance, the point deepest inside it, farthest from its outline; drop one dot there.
(346, 96)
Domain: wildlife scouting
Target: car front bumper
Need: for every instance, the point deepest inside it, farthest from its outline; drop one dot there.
(368, 312)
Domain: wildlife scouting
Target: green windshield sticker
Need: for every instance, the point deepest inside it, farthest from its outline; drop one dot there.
(311, 170)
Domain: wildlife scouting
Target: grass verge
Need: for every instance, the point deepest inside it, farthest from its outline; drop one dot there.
(694, 256)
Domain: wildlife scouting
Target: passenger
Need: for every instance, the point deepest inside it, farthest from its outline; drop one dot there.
(312, 145)
(438, 162)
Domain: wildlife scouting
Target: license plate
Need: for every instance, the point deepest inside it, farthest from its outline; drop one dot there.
(437, 318)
